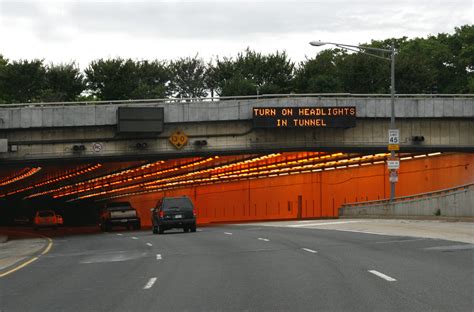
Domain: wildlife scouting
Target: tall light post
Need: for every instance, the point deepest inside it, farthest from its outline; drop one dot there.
(393, 139)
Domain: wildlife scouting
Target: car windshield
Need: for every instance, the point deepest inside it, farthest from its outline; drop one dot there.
(46, 214)
(173, 203)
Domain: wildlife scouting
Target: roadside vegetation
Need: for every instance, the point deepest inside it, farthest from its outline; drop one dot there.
(437, 64)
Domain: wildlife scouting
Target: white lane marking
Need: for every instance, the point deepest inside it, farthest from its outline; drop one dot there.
(149, 244)
(263, 239)
(309, 250)
(150, 283)
(158, 257)
(381, 275)
(120, 234)
(227, 233)
(199, 230)
(321, 223)
(134, 237)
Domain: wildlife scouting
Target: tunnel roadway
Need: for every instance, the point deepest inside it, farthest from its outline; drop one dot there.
(244, 268)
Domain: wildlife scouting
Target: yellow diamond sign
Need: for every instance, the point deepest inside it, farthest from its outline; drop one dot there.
(178, 139)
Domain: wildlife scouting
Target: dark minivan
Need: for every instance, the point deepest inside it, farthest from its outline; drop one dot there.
(172, 213)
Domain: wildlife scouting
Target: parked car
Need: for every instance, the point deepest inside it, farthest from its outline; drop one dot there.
(45, 218)
(119, 214)
(173, 212)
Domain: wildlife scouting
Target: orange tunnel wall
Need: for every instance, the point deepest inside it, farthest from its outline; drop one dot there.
(316, 194)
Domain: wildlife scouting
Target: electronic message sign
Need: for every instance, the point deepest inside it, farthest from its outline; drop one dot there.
(140, 119)
(304, 117)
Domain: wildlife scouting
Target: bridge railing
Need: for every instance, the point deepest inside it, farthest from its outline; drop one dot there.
(240, 97)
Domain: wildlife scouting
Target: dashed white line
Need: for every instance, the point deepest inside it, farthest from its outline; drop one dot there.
(263, 239)
(150, 283)
(199, 230)
(149, 244)
(309, 250)
(134, 237)
(158, 257)
(227, 233)
(381, 275)
(119, 234)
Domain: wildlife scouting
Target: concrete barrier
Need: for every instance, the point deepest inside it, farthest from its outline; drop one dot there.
(456, 202)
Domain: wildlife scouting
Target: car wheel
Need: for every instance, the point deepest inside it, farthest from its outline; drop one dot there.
(155, 230)
(160, 230)
(193, 228)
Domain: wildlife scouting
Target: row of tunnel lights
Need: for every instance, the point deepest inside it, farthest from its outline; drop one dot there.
(54, 180)
(22, 174)
(183, 176)
(340, 164)
(67, 190)
(172, 181)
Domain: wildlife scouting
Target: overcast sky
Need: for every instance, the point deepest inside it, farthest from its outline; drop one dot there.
(81, 31)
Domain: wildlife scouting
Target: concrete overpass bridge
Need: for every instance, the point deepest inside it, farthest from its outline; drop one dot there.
(245, 158)
(241, 125)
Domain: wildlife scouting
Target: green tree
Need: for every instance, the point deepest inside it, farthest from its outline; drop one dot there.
(188, 77)
(118, 79)
(253, 73)
(112, 79)
(22, 81)
(153, 80)
(3, 64)
(319, 75)
(63, 82)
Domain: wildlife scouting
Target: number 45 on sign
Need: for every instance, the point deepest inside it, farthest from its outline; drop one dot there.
(393, 136)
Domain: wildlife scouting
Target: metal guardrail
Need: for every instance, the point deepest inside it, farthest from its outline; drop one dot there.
(409, 197)
(242, 97)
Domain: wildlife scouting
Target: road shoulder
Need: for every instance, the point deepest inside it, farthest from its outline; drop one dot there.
(21, 249)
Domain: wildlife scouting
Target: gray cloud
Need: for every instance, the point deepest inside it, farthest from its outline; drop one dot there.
(229, 20)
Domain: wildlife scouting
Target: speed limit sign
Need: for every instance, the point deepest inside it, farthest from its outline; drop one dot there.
(393, 136)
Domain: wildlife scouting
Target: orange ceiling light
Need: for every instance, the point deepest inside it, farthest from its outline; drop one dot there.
(57, 179)
(22, 174)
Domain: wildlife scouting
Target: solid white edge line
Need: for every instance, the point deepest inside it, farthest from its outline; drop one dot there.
(381, 275)
(150, 283)
(309, 250)
(149, 244)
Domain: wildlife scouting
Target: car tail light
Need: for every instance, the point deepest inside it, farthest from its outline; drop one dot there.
(162, 214)
(194, 211)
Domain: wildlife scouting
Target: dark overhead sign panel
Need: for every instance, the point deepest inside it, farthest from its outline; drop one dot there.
(304, 117)
(140, 119)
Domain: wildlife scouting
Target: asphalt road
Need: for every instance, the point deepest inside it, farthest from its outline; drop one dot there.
(244, 268)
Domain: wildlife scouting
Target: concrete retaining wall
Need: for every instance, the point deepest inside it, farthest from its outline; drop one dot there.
(456, 203)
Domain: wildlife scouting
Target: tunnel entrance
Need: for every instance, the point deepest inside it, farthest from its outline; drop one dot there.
(225, 188)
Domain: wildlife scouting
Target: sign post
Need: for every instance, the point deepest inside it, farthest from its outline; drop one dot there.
(393, 163)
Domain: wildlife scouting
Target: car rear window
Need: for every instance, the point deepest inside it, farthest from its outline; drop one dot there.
(172, 203)
(44, 214)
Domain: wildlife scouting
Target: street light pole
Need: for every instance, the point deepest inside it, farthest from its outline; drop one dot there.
(392, 108)
(362, 49)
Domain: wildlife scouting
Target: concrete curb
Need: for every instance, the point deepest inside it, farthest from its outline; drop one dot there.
(3, 239)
